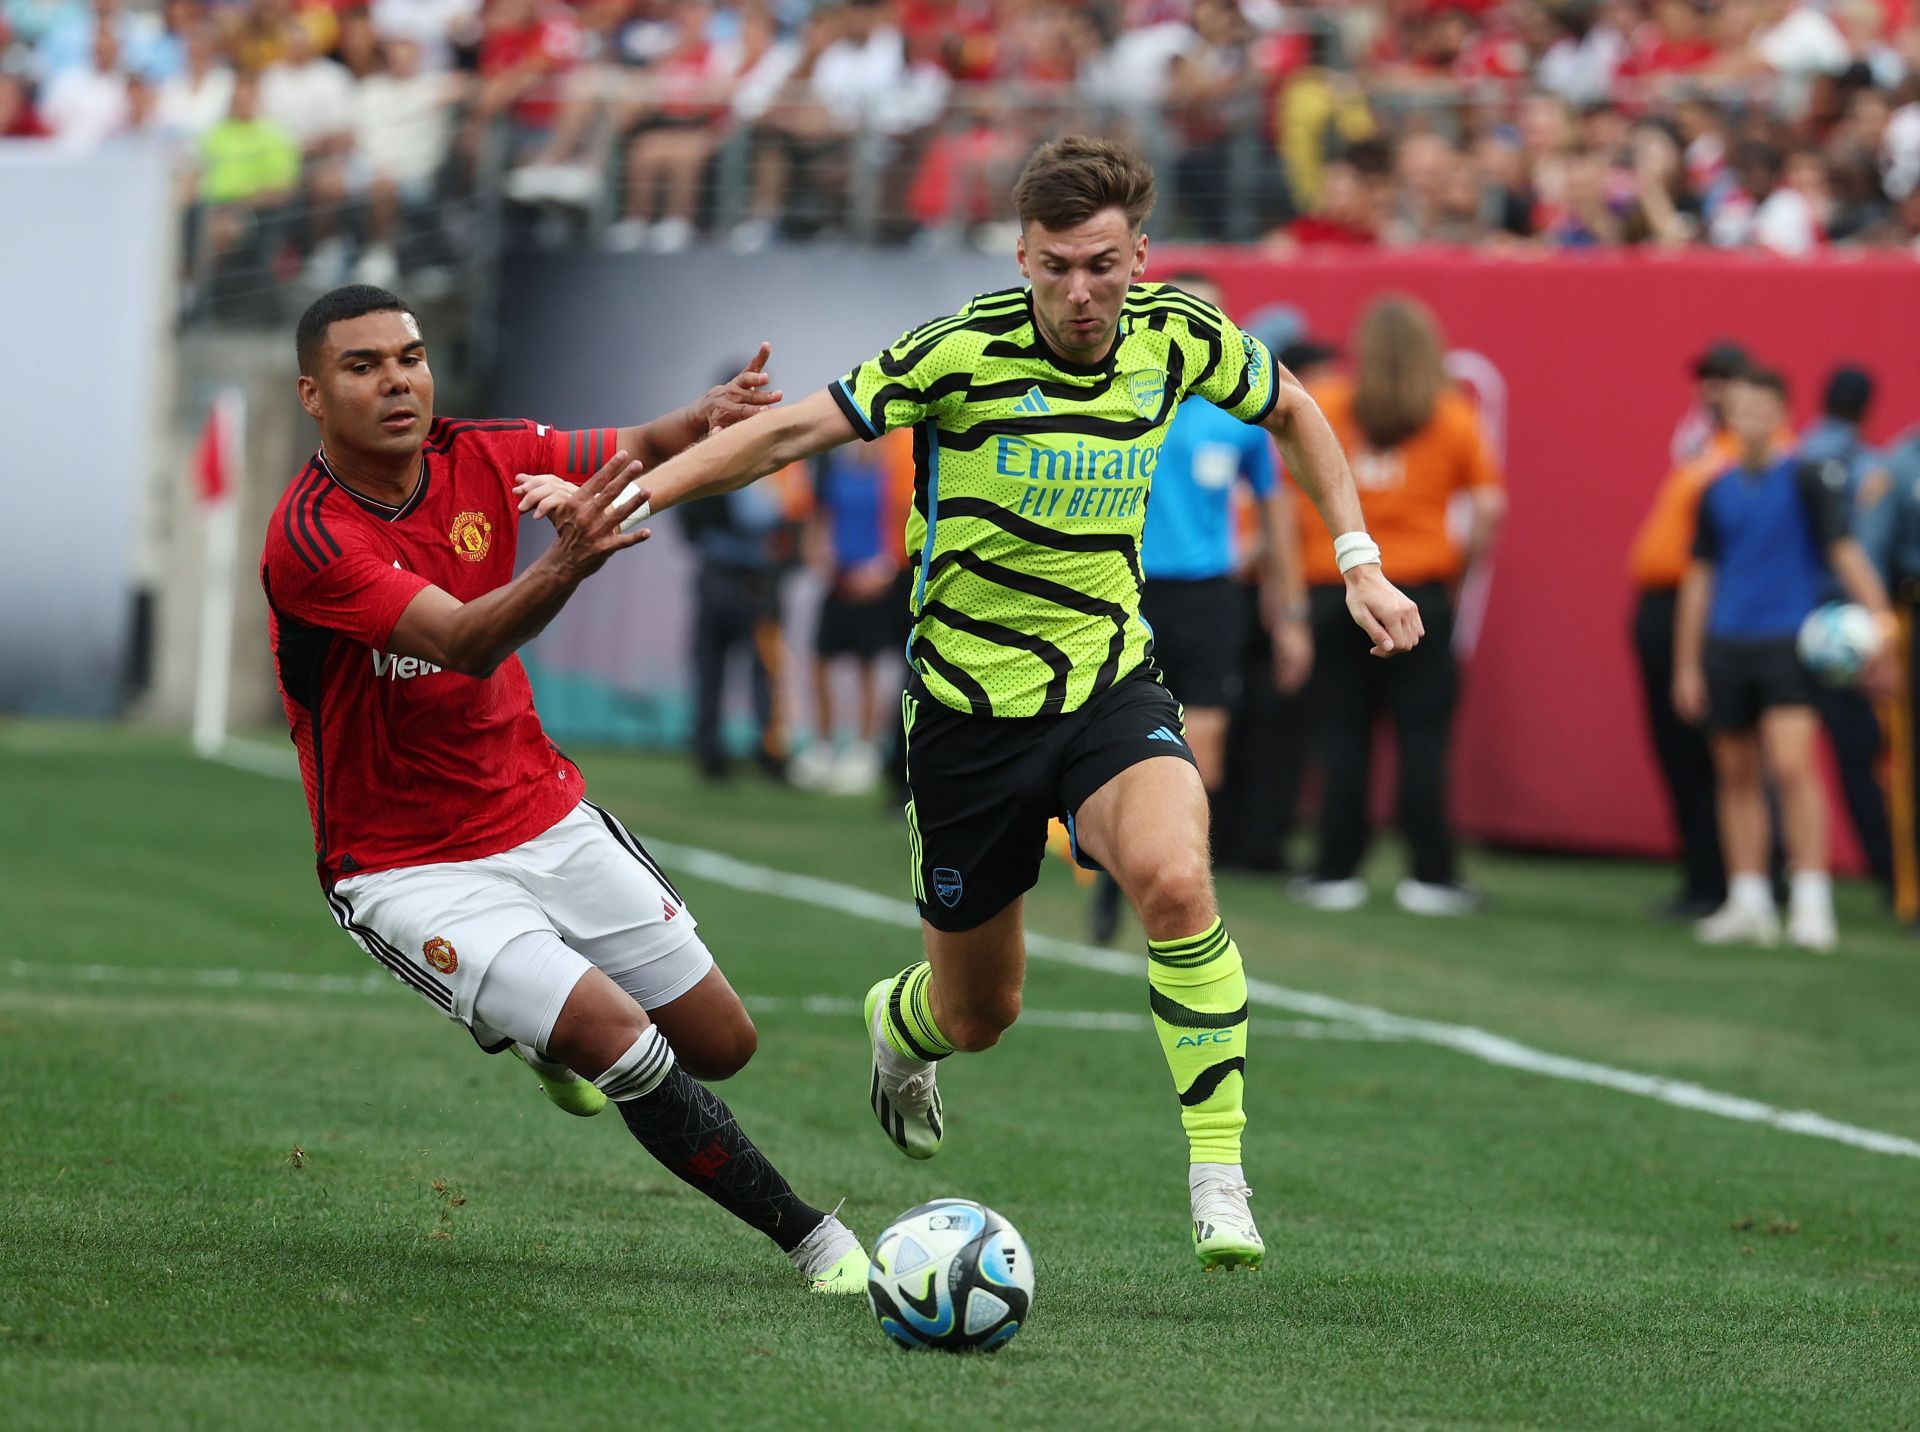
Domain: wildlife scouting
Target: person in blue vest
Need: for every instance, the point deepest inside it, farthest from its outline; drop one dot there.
(1773, 530)
(1890, 531)
(1846, 711)
(1190, 600)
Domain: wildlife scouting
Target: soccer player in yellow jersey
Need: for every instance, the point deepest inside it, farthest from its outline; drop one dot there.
(1037, 416)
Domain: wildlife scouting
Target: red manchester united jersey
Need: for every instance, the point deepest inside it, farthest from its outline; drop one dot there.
(406, 763)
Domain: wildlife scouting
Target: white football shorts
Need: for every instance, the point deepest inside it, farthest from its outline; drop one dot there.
(437, 928)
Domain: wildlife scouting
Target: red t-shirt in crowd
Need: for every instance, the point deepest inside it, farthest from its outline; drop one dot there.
(406, 763)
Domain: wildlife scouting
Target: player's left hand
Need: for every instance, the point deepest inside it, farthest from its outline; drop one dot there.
(750, 390)
(1384, 612)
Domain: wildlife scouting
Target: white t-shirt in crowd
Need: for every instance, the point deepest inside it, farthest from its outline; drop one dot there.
(852, 77)
(402, 126)
(190, 108)
(427, 23)
(311, 101)
(84, 107)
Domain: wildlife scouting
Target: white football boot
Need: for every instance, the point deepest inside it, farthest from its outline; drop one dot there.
(902, 1093)
(1224, 1235)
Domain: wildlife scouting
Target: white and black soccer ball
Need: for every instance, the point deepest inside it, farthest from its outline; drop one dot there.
(1837, 641)
(953, 1275)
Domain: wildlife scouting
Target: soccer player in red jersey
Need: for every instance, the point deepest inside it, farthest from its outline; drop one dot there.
(455, 842)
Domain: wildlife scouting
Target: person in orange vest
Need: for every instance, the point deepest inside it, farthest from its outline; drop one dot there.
(1414, 444)
(1703, 449)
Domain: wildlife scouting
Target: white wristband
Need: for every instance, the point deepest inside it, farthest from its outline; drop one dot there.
(639, 514)
(1355, 549)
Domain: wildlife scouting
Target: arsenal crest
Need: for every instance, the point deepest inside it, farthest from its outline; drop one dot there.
(441, 955)
(472, 535)
(1145, 388)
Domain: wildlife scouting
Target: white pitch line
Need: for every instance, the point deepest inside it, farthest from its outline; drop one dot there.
(1465, 1039)
(374, 983)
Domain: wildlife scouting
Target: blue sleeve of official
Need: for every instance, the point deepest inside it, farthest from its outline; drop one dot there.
(1257, 466)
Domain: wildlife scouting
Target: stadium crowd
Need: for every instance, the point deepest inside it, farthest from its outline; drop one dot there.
(335, 133)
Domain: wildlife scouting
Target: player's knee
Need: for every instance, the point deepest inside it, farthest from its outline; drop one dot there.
(980, 1025)
(722, 1052)
(1175, 893)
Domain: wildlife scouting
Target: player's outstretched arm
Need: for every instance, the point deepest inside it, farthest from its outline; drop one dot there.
(746, 393)
(740, 455)
(474, 637)
(1317, 464)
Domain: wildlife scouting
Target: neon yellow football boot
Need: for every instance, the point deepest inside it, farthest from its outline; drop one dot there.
(831, 1259)
(565, 1088)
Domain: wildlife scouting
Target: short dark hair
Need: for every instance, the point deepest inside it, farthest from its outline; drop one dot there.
(1849, 394)
(1070, 180)
(1772, 379)
(355, 300)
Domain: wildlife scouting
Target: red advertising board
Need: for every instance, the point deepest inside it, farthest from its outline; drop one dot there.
(1595, 353)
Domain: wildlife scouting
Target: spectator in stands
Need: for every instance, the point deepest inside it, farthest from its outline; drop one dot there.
(1765, 211)
(1506, 187)
(403, 130)
(443, 29)
(1585, 220)
(861, 496)
(18, 117)
(522, 53)
(1664, 211)
(86, 104)
(1771, 532)
(313, 98)
(675, 128)
(1212, 93)
(71, 39)
(1414, 444)
(1346, 215)
(1580, 65)
(249, 170)
(201, 93)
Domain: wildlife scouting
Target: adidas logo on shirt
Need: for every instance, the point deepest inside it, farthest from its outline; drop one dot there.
(1161, 733)
(1034, 402)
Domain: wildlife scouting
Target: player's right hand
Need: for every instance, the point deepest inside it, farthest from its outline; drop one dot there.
(586, 519)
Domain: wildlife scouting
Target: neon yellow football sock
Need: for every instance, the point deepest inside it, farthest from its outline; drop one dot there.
(1199, 997)
(909, 1026)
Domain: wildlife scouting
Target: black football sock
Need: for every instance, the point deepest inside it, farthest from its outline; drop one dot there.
(686, 1127)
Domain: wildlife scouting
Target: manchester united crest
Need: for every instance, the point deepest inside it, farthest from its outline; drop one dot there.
(472, 535)
(441, 955)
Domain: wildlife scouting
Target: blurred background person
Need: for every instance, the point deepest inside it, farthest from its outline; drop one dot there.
(1770, 534)
(745, 543)
(1190, 600)
(1270, 728)
(1702, 447)
(1891, 535)
(862, 492)
(1414, 443)
(1835, 443)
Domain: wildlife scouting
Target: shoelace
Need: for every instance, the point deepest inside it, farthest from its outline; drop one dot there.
(915, 1091)
(1223, 1201)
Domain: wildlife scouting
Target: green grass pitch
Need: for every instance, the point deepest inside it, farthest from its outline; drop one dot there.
(311, 1203)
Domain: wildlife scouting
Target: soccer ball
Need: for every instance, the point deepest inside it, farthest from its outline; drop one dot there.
(1837, 640)
(951, 1274)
